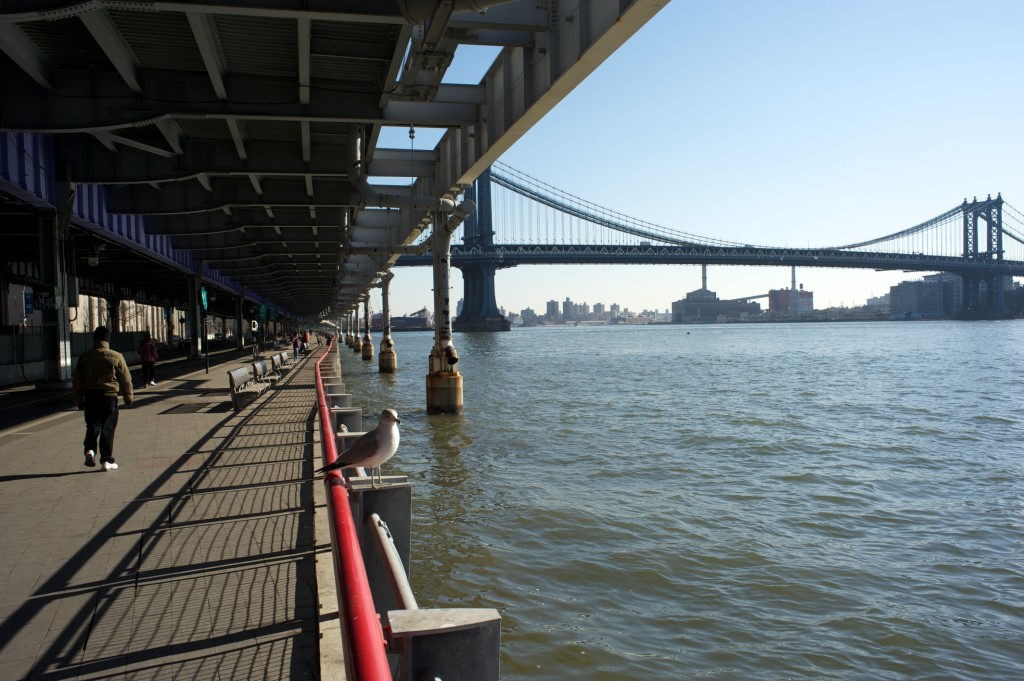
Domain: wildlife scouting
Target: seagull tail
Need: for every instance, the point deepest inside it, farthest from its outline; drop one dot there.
(337, 465)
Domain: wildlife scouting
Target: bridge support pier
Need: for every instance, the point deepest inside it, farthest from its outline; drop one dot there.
(479, 306)
(388, 363)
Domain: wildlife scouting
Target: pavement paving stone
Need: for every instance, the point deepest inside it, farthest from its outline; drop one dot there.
(194, 560)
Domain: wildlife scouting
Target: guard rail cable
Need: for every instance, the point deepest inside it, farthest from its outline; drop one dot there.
(366, 658)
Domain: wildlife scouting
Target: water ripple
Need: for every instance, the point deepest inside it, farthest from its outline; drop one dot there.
(731, 502)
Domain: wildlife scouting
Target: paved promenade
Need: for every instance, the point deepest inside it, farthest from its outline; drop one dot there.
(194, 560)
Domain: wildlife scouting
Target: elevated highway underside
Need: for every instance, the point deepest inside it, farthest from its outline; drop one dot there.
(237, 145)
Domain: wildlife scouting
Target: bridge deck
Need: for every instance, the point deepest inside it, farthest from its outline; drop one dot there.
(196, 559)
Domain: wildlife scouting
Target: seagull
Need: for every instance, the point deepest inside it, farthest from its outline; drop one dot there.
(372, 449)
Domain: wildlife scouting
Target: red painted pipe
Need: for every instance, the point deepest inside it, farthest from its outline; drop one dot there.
(366, 658)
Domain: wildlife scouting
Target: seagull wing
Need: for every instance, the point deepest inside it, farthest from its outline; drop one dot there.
(361, 450)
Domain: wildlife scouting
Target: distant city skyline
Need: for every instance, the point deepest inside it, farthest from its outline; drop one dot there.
(659, 285)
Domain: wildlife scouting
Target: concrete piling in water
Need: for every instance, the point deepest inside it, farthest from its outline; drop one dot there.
(388, 363)
(367, 347)
(444, 382)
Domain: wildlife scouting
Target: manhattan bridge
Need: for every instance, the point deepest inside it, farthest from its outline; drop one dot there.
(523, 221)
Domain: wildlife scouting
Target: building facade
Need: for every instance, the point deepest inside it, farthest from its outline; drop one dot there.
(703, 305)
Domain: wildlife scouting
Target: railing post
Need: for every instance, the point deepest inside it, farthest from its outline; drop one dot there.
(452, 644)
(393, 501)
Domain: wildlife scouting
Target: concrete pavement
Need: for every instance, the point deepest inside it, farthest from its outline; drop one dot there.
(194, 560)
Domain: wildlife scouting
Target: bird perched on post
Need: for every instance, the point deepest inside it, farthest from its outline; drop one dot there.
(372, 449)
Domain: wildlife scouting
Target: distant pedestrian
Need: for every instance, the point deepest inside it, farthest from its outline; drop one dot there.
(318, 341)
(305, 341)
(101, 373)
(295, 344)
(148, 356)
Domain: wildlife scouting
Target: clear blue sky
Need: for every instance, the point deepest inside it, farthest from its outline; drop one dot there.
(785, 123)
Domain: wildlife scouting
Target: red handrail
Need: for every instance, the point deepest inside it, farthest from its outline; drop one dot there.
(366, 656)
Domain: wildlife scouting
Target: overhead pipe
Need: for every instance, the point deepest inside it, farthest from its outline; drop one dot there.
(418, 11)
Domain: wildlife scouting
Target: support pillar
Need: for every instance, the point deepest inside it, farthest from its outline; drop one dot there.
(367, 347)
(195, 321)
(388, 363)
(353, 339)
(114, 311)
(993, 303)
(479, 306)
(240, 324)
(54, 261)
(444, 382)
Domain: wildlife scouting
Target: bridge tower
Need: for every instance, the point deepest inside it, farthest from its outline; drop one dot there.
(479, 305)
(983, 292)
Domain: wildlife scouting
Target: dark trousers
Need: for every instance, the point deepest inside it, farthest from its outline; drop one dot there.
(148, 372)
(100, 423)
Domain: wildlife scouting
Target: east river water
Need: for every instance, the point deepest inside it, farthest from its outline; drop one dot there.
(776, 501)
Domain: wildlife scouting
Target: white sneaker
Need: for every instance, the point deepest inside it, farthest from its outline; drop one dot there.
(109, 466)
(90, 458)
(152, 382)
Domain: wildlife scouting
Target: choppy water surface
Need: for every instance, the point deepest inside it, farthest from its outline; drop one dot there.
(731, 502)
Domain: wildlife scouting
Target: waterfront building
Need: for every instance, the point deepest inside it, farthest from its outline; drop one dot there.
(879, 303)
(783, 301)
(917, 300)
(952, 291)
(552, 314)
(703, 305)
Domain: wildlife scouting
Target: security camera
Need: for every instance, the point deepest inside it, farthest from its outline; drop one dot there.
(451, 355)
(93, 260)
(461, 212)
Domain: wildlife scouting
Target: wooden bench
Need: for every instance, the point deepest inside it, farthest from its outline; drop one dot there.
(243, 387)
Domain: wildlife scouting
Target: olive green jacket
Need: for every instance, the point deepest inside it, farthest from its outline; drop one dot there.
(102, 369)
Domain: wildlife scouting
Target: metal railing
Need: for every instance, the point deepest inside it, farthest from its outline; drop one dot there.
(377, 607)
(365, 659)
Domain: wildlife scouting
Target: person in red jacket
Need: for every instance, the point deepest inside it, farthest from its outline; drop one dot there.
(148, 357)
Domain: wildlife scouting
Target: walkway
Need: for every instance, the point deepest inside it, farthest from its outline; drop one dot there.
(194, 560)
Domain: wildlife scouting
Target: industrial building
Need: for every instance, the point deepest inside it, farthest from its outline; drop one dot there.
(703, 305)
(789, 301)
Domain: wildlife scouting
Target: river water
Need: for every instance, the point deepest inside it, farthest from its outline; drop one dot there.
(776, 501)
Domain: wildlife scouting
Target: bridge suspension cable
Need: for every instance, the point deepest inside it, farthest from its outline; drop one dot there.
(528, 211)
(943, 219)
(1012, 214)
(574, 206)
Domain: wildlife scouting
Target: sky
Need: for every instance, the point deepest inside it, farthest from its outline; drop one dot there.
(785, 123)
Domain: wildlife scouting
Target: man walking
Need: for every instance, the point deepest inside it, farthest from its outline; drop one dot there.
(101, 373)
